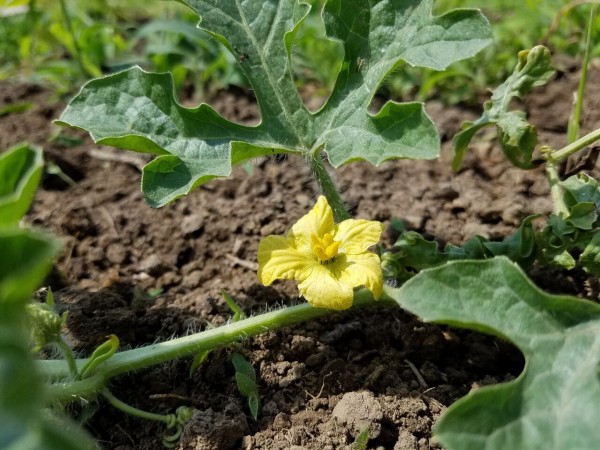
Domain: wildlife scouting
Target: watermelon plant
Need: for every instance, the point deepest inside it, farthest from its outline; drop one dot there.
(328, 252)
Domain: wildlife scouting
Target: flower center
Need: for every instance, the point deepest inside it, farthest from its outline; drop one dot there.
(325, 248)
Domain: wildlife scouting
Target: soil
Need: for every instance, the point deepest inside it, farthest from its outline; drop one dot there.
(321, 383)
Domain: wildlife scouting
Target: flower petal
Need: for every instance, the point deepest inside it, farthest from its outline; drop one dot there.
(358, 235)
(278, 259)
(318, 221)
(363, 270)
(322, 290)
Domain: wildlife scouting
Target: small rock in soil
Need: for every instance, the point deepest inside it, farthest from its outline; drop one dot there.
(192, 225)
(359, 411)
(406, 441)
(92, 316)
(210, 430)
(116, 253)
(153, 265)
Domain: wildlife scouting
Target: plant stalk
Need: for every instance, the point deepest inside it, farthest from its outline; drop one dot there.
(65, 389)
(556, 191)
(562, 154)
(340, 212)
(114, 401)
(575, 119)
(67, 353)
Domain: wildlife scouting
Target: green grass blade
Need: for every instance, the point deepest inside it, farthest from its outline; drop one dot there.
(575, 116)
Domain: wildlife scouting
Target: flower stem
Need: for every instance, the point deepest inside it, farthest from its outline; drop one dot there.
(340, 212)
(65, 389)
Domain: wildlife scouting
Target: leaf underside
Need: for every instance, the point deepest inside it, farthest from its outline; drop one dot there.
(555, 402)
(137, 111)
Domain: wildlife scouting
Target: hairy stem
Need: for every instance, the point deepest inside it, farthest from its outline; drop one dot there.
(65, 389)
(340, 212)
(69, 390)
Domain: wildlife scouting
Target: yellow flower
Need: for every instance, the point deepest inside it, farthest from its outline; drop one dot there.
(329, 260)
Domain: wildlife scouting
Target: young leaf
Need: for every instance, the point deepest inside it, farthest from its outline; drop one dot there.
(580, 188)
(254, 404)
(243, 367)
(517, 137)
(590, 257)
(238, 314)
(361, 440)
(246, 385)
(245, 377)
(520, 246)
(412, 252)
(20, 172)
(44, 324)
(137, 111)
(554, 402)
(101, 354)
(198, 359)
(576, 231)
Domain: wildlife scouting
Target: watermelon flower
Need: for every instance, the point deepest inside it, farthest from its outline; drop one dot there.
(328, 260)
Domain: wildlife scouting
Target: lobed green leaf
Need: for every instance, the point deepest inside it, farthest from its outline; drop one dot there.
(137, 111)
(555, 401)
(377, 37)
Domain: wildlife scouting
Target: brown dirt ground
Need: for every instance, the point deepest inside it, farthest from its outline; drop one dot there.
(322, 382)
